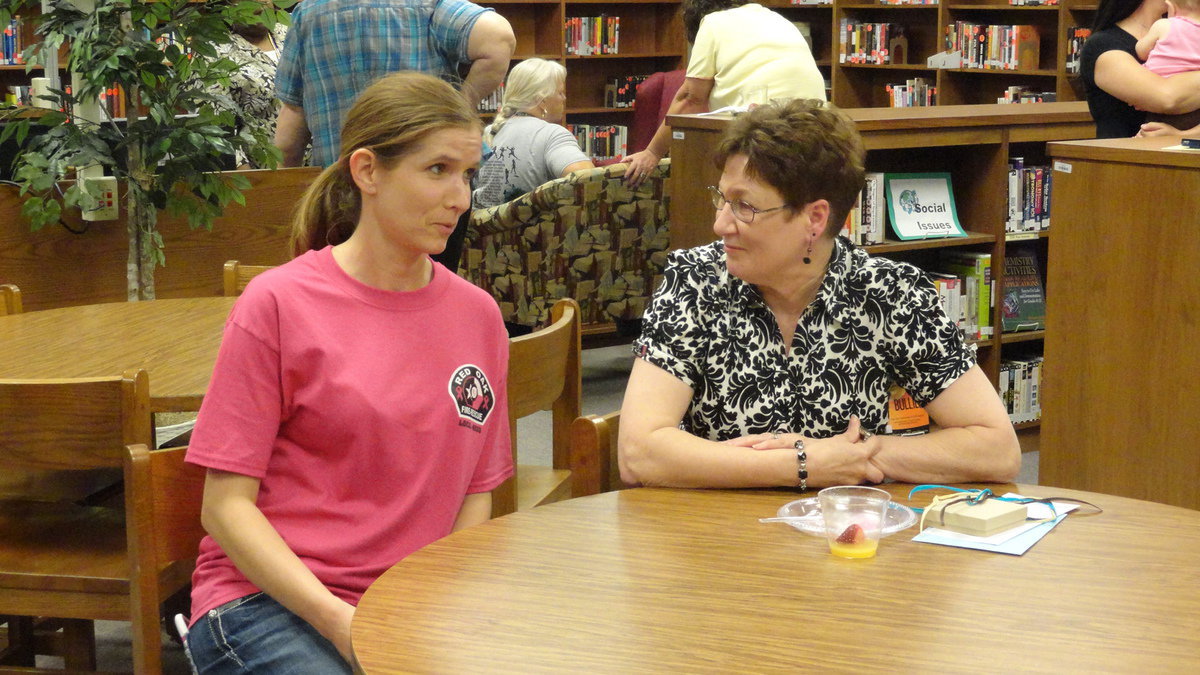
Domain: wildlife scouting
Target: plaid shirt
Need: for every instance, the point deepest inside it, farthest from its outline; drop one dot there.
(335, 48)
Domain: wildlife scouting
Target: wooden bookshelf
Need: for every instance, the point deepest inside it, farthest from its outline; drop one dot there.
(862, 85)
(972, 143)
(651, 40)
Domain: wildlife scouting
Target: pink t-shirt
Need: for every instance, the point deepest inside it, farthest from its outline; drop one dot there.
(368, 416)
(1179, 51)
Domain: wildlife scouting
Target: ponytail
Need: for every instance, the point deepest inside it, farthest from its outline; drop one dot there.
(328, 212)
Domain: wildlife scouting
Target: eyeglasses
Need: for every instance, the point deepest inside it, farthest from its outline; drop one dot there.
(741, 210)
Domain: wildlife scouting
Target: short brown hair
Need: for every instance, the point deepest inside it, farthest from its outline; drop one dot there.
(390, 118)
(804, 149)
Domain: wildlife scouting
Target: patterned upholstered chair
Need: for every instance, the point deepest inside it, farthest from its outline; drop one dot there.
(586, 236)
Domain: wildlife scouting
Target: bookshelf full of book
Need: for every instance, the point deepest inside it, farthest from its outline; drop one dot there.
(900, 53)
(608, 48)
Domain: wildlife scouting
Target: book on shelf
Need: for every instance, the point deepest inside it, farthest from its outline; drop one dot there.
(1019, 385)
(1029, 190)
(866, 42)
(492, 102)
(976, 271)
(1076, 36)
(601, 141)
(590, 35)
(620, 92)
(912, 93)
(950, 290)
(866, 222)
(1026, 94)
(905, 417)
(993, 46)
(1024, 305)
(12, 44)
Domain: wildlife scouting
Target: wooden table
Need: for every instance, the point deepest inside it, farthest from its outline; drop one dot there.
(176, 341)
(653, 580)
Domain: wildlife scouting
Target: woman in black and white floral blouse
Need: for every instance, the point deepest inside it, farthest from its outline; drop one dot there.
(766, 357)
(255, 48)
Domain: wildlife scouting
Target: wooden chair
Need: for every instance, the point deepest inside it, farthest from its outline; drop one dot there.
(544, 373)
(61, 558)
(10, 299)
(594, 467)
(237, 275)
(162, 503)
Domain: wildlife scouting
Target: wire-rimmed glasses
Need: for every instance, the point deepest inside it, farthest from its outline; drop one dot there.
(741, 210)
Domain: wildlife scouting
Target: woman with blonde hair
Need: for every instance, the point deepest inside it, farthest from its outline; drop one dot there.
(530, 146)
(357, 408)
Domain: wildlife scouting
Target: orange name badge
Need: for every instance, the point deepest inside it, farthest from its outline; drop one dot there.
(905, 417)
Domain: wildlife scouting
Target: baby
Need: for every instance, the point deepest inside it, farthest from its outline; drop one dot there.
(1172, 46)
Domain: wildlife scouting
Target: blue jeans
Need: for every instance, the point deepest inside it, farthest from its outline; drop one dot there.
(255, 634)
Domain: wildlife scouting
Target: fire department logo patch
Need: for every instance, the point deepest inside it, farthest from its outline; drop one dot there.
(472, 394)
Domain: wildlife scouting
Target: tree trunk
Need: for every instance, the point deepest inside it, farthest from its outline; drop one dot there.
(143, 216)
(139, 276)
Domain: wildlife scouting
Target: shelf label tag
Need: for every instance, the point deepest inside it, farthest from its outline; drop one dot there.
(1064, 167)
(677, 135)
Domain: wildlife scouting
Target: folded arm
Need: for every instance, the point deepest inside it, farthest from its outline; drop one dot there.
(653, 450)
(974, 441)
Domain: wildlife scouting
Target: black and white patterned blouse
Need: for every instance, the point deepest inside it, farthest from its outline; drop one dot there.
(252, 87)
(874, 322)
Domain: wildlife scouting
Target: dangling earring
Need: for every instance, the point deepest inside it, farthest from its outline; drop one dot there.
(808, 256)
(545, 113)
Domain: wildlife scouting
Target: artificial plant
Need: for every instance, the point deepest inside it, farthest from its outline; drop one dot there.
(162, 55)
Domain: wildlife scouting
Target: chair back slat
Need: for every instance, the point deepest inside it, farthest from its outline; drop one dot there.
(73, 424)
(544, 373)
(236, 276)
(163, 495)
(537, 367)
(594, 465)
(10, 299)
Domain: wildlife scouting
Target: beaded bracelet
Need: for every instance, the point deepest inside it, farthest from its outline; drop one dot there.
(802, 460)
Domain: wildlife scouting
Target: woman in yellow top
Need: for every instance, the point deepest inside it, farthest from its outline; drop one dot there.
(739, 49)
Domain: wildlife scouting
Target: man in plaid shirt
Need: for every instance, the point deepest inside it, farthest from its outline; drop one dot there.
(335, 48)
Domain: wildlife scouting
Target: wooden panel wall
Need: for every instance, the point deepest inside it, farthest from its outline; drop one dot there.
(57, 268)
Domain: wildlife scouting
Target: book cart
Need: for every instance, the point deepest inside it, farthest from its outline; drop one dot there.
(973, 143)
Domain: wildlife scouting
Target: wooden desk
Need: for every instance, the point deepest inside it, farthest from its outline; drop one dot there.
(688, 581)
(176, 341)
(914, 139)
(1121, 410)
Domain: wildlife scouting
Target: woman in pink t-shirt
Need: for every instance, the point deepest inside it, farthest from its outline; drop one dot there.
(357, 408)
